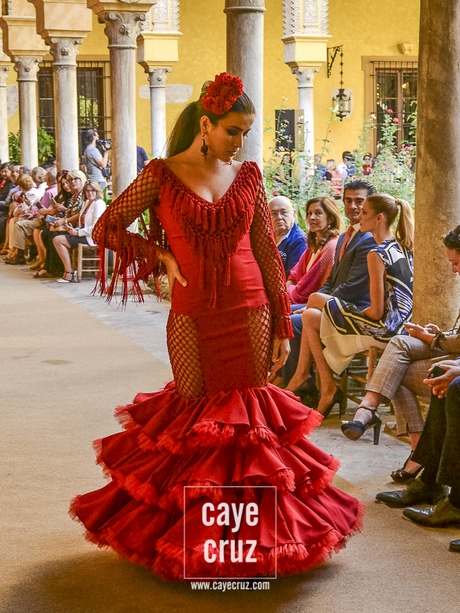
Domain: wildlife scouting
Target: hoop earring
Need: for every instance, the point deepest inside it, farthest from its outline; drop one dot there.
(204, 147)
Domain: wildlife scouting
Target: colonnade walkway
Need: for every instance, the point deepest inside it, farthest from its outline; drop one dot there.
(66, 361)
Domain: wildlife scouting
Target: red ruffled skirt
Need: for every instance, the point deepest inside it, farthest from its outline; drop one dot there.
(177, 455)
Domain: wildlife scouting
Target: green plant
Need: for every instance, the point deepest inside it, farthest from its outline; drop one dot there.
(292, 173)
(45, 146)
(393, 170)
(14, 147)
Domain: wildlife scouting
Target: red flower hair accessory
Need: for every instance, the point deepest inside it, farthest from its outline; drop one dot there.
(222, 93)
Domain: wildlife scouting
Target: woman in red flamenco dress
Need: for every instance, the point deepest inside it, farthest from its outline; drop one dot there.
(213, 476)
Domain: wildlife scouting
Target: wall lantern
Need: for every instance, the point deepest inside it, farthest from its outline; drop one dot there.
(342, 98)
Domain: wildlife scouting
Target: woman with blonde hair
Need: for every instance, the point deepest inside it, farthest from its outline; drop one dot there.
(343, 330)
(81, 231)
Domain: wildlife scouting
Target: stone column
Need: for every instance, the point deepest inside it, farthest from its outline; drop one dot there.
(305, 78)
(4, 153)
(121, 29)
(437, 209)
(27, 68)
(157, 81)
(64, 52)
(245, 58)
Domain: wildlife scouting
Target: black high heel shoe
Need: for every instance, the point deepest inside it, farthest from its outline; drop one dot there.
(355, 429)
(338, 397)
(403, 476)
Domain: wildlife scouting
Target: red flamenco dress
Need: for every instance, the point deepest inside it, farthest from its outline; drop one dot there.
(219, 428)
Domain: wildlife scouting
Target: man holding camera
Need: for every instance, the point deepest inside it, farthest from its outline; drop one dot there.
(95, 158)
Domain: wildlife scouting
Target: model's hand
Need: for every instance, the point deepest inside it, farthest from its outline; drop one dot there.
(281, 351)
(172, 269)
(439, 385)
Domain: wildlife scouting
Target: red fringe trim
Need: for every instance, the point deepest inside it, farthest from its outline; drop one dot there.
(282, 310)
(213, 230)
(305, 428)
(168, 563)
(316, 487)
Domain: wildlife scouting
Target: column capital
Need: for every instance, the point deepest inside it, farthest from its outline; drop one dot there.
(305, 76)
(121, 28)
(244, 6)
(64, 50)
(3, 75)
(157, 76)
(27, 67)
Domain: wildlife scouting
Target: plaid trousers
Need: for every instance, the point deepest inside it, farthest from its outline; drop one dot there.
(399, 377)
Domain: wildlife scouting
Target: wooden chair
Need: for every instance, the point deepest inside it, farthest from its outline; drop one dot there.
(88, 260)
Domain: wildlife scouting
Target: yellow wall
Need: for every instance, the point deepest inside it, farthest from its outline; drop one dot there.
(364, 27)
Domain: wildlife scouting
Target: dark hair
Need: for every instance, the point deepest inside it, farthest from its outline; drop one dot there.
(88, 136)
(335, 223)
(452, 239)
(359, 184)
(388, 206)
(187, 125)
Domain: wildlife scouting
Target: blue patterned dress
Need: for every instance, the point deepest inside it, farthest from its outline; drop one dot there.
(345, 330)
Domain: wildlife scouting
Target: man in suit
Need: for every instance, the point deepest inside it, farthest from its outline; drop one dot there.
(290, 239)
(439, 454)
(349, 280)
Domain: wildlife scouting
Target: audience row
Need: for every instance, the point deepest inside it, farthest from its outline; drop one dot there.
(47, 214)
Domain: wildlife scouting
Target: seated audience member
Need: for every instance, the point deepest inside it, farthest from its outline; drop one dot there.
(82, 230)
(400, 371)
(23, 208)
(6, 183)
(67, 214)
(142, 159)
(38, 174)
(290, 239)
(438, 452)
(47, 207)
(319, 168)
(367, 166)
(315, 264)
(349, 278)
(5, 207)
(334, 178)
(335, 329)
(347, 167)
(44, 237)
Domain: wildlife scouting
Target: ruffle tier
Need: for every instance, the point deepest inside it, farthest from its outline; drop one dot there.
(176, 453)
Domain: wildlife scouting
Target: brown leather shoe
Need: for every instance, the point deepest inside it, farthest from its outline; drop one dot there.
(440, 516)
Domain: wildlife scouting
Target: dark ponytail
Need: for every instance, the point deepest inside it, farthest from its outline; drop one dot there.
(187, 125)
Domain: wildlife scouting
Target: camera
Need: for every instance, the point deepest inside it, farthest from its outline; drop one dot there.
(104, 144)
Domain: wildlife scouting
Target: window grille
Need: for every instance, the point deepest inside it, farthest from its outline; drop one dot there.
(395, 88)
(93, 82)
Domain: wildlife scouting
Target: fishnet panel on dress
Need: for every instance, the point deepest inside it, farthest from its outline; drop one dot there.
(260, 335)
(184, 354)
(269, 260)
(110, 230)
